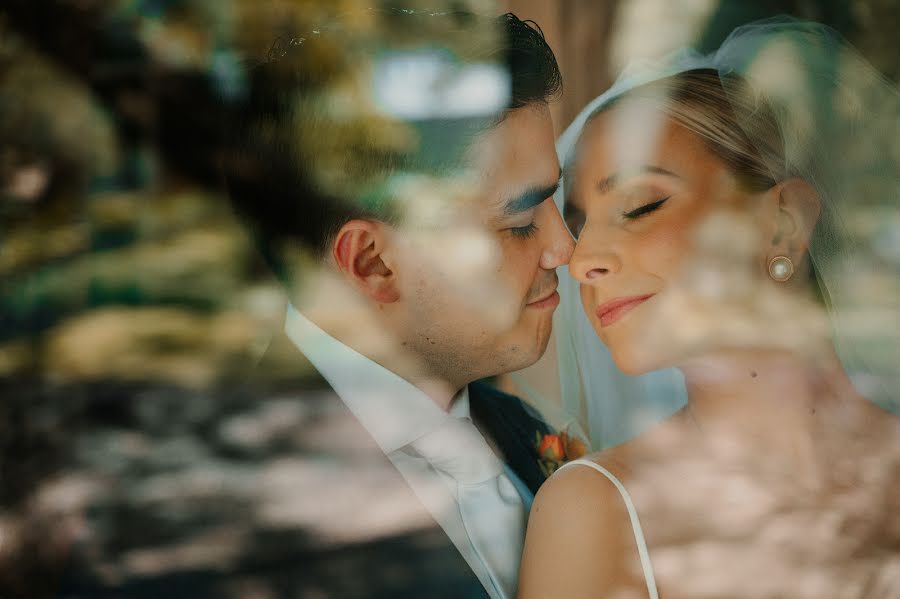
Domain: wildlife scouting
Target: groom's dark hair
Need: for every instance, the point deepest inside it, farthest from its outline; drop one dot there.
(304, 154)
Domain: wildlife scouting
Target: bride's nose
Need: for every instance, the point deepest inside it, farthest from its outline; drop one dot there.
(593, 260)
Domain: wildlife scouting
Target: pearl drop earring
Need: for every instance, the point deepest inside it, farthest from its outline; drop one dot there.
(781, 268)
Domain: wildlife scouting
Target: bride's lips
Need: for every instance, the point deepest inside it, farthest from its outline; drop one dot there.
(615, 309)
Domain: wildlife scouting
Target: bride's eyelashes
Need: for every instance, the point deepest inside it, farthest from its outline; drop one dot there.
(645, 209)
(575, 218)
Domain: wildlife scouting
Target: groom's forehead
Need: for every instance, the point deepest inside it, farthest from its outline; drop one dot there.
(516, 161)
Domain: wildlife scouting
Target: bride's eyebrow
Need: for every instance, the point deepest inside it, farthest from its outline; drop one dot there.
(607, 184)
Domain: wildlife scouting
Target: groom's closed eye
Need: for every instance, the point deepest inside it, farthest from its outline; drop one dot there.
(525, 232)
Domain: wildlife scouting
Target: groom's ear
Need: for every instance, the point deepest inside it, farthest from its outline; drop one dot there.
(359, 251)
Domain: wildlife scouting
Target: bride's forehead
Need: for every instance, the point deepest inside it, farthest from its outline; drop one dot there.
(625, 138)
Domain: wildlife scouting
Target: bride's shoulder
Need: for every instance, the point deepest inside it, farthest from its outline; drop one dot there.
(587, 495)
(577, 515)
(582, 480)
(622, 461)
(594, 490)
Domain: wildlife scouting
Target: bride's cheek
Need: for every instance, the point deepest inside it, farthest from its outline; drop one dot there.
(666, 246)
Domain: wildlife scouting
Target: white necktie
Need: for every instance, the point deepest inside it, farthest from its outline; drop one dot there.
(490, 506)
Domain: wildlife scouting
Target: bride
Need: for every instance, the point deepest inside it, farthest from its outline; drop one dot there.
(711, 197)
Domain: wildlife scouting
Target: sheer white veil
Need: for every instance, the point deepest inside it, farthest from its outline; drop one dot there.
(839, 120)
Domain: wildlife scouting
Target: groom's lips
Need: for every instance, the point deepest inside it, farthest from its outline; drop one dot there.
(615, 309)
(548, 301)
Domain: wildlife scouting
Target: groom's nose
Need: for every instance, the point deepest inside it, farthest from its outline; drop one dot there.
(558, 240)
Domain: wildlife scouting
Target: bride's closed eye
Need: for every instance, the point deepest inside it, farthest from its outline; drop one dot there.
(575, 218)
(645, 209)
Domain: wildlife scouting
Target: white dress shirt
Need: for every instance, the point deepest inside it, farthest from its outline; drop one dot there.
(396, 414)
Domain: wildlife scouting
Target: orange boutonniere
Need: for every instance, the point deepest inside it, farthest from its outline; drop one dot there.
(555, 450)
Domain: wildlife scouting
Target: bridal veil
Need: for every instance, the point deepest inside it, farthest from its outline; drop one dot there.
(839, 121)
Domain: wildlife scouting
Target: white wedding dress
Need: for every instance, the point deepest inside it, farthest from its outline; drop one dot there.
(646, 566)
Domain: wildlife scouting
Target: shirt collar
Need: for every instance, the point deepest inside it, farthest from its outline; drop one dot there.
(392, 410)
(460, 406)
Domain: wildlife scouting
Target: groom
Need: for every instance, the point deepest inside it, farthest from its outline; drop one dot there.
(404, 199)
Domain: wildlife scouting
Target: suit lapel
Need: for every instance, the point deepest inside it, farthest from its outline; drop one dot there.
(511, 425)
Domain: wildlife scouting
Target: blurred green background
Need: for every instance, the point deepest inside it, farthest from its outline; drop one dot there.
(135, 414)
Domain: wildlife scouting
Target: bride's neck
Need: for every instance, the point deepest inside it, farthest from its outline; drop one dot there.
(767, 402)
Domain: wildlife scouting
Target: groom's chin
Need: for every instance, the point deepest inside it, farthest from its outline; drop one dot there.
(536, 349)
(540, 348)
(521, 350)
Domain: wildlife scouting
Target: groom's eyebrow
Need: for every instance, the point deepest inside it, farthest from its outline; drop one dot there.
(607, 184)
(529, 198)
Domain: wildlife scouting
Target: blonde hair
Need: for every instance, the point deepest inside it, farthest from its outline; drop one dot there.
(737, 125)
(718, 109)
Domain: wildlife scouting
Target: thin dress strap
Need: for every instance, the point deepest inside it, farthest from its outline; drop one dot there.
(635, 523)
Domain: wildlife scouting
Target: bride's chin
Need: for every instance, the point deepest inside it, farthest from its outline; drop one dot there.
(634, 359)
(632, 367)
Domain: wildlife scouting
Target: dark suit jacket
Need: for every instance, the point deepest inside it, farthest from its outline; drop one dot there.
(511, 425)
